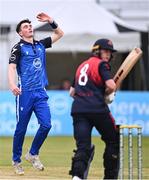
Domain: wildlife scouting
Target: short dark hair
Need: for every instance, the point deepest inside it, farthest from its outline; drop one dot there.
(20, 23)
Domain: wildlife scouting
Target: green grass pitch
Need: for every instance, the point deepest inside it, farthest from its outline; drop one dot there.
(56, 155)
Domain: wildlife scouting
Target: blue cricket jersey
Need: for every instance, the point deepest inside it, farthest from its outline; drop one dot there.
(31, 63)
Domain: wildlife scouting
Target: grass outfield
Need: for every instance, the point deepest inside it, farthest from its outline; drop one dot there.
(56, 156)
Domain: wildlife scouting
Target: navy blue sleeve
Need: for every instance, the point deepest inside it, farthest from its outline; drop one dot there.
(15, 54)
(105, 71)
(47, 42)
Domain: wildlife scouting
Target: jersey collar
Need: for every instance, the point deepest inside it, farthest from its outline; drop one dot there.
(25, 42)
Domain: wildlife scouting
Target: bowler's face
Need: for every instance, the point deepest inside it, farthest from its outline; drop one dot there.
(26, 30)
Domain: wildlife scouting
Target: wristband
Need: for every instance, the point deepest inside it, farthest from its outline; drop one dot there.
(54, 25)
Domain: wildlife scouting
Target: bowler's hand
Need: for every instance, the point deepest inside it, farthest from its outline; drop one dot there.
(15, 90)
(110, 98)
(42, 17)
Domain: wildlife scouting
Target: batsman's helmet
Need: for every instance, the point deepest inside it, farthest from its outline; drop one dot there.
(103, 44)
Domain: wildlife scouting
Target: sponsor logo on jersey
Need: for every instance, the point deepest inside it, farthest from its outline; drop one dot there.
(37, 63)
(13, 57)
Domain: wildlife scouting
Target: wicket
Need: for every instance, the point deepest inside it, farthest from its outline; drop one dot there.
(130, 151)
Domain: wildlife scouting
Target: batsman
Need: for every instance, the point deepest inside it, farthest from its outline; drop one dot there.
(92, 83)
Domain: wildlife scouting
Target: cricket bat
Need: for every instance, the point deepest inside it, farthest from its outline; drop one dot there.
(127, 65)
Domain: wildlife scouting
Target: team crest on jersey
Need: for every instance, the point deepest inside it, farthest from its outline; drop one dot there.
(37, 63)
